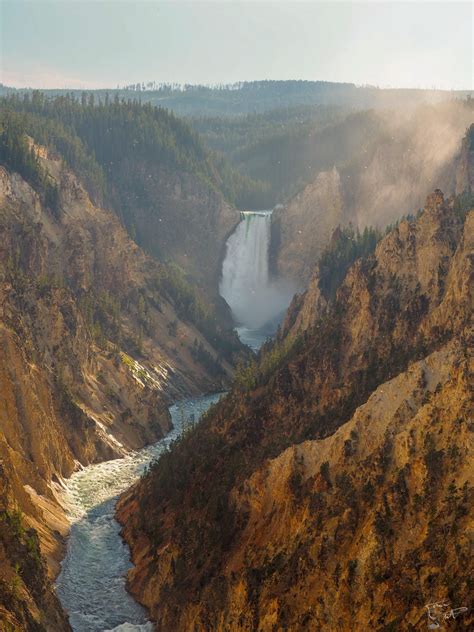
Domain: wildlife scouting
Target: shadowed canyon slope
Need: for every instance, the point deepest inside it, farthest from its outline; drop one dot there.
(96, 340)
(151, 169)
(332, 488)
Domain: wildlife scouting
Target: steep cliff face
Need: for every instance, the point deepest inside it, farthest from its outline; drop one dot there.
(365, 528)
(390, 172)
(27, 601)
(302, 228)
(96, 340)
(338, 464)
(465, 168)
(178, 217)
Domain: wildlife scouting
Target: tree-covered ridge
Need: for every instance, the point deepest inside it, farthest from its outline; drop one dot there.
(287, 148)
(94, 135)
(346, 246)
(266, 150)
(269, 146)
(260, 96)
(18, 153)
(232, 134)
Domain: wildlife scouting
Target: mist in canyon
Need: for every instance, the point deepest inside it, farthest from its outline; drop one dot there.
(257, 300)
(413, 153)
(369, 170)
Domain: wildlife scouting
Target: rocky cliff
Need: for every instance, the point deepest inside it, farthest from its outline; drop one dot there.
(465, 169)
(365, 528)
(332, 488)
(178, 217)
(96, 339)
(302, 228)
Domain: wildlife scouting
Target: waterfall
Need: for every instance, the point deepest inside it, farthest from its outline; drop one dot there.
(255, 299)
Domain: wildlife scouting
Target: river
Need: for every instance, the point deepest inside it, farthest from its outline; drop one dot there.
(91, 585)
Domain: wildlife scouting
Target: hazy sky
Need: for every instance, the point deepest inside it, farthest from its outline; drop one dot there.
(73, 43)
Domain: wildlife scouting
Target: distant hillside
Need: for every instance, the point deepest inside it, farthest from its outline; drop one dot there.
(271, 146)
(288, 148)
(271, 137)
(259, 96)
(362, 171)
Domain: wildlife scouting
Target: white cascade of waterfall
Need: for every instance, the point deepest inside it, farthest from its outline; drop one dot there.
(255, 300)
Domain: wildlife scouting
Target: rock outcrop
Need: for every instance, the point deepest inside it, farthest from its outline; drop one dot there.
(332, 488)
(302, 228)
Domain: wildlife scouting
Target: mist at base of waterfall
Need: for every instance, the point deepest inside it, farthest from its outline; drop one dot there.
(257, 302)
(257, 307)
(256, 332)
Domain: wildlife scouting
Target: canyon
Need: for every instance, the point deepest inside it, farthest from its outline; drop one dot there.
(308, 476)
(342, 424)
(93, 353)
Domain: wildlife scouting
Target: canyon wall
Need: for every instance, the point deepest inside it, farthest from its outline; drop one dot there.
(332, 488)
(178, 217)
(96, 340)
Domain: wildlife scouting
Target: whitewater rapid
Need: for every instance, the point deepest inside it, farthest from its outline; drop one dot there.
(257, 302)
(91, 585)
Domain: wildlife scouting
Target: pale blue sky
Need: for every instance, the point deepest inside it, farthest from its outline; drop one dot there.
(73, 43)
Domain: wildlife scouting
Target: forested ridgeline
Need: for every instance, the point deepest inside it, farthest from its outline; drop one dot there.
(109, 144)
(269, 145)
(287, 147)
(271, 137)
(248, 97)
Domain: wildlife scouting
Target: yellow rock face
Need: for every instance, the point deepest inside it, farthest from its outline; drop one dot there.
(337, 493)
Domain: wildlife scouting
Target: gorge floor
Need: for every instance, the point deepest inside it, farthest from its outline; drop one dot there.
(91, 585)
